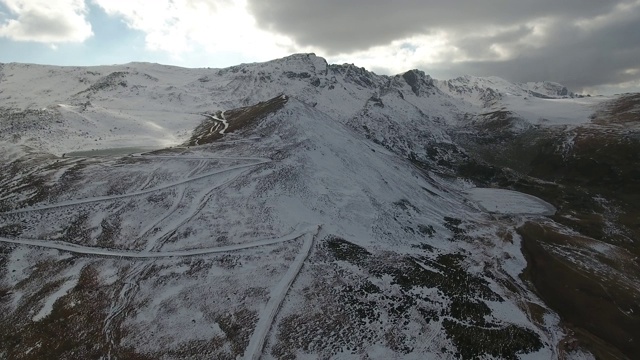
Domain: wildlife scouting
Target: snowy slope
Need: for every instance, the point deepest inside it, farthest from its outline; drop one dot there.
(485, 91)
(151, 105)
(538, 103)
(307, 177)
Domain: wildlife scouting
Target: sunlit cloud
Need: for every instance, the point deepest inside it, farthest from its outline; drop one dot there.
(46, 21)
(183, 26)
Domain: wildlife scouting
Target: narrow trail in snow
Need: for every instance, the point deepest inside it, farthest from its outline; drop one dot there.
(157, 241)
(278, 294)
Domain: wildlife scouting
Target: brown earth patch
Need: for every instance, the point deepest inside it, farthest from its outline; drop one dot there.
(237, 119)
(622, 110)
(602, 307)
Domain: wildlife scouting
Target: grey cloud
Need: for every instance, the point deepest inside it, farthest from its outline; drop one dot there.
(346, 26)
(578, 57)
(480, 46)
(48, 23)
(36, 23)
(571, 56)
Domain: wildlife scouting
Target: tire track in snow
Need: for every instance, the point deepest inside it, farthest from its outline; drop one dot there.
(135, 193)
(176, 203)
(194, 171)
(158, 241)
(150, 178)
(278, 294)
(155, 242)
(200, 166)
(125, 296)
(172, 209)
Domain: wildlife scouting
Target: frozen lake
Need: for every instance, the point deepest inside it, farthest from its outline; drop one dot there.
(121, 151)
(502, 201)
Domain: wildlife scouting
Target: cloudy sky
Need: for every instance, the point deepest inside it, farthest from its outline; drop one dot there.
(588, 45)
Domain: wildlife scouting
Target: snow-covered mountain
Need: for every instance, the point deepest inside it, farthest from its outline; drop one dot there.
(294, 208)
(487, 91)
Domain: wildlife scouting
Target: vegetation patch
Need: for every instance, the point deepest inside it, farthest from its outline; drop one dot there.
(11, 230)
(455, 226)
(405, 205)
(427, 230)
(344, 250)
(356, 311)
(622, 110)
(73, 329)
(501, 342)
(238, 327)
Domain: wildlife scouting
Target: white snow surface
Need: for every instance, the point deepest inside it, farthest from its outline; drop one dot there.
(510, 202)
(538, 103)
(73, 275)
(549, 112)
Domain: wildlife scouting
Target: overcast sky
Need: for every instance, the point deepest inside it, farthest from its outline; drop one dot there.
(588, 45)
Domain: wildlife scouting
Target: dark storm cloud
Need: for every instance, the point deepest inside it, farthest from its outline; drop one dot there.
(572, 56)
(481, 46)
(344, 26)
(593, 54)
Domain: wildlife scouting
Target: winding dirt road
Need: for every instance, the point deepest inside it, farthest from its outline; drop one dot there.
(90, 250)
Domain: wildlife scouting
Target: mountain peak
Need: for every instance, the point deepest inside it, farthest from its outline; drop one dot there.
(418, 80)
(303, 62)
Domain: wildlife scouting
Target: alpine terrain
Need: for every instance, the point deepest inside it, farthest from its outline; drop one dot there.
(295, 209)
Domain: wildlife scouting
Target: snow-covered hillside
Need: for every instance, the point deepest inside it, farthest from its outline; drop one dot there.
(290, 209)
(65, 109)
